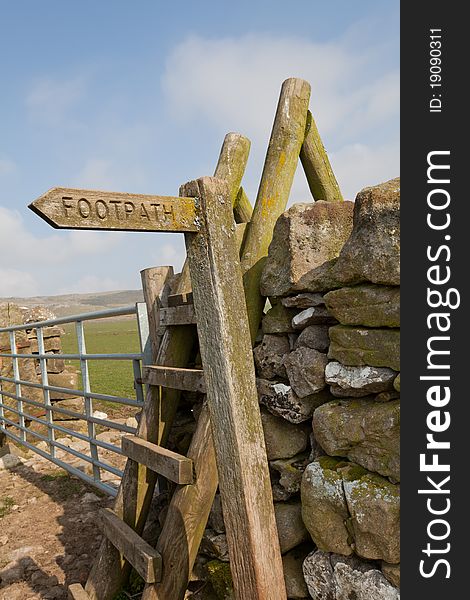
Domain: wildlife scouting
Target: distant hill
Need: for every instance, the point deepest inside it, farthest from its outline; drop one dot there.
(70, 304)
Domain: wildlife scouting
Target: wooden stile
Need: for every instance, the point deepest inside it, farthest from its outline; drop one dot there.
(177, 315)
(109, 571)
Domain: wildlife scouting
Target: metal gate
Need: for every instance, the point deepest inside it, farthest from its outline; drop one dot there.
(16, 416)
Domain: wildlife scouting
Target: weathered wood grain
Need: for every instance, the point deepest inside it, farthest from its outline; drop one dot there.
(232, 398)
(232, 162)
(76, 592)
(156, 295)
(320, 176)
(286, 140)
(176, 378)
(242, 209)
(67, 208)
(171, 465)
(177, 315)
(145, 559)
(187, 517)
(180, 299)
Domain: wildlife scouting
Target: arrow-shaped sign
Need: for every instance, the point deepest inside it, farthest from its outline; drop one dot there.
(66, 208)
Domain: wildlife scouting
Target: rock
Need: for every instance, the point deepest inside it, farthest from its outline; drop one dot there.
(55, 365)
(387, 396)
(283, 439)
(11, 573)
(355, 382)
(3, 540)
(303, 300)
(346, 508)
(131, 422)
(312, 316)
(97, 414)
(396, 383)
(38, 313)
(366, 432)
(25, 551)
(374, 505)
(305, 236)
(372, 252)
(366, 304)
(215, 545)
(293, 575)
(89, 497)
(216, 516)
(43, 445)
(51, 344)
(324, 508)
(335, 577)
(315, 337)
(278, 319)
(288, 472)
(281, 400)
(67, 379)
(10, 461)
(358, 346)
(290, 526)
(269, 354)
(392, 573)
(305, 369)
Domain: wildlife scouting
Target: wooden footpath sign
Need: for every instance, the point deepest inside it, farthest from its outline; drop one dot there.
(67, 208)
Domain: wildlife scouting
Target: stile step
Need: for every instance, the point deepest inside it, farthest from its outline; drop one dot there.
(145, 559)
(171, 465)
(191, 380)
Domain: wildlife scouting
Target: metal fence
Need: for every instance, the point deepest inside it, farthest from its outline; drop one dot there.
(15, 418)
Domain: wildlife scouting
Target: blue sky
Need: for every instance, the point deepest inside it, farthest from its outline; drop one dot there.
(137, 97)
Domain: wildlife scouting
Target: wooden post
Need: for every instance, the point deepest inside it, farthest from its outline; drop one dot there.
(320, 177)
(232, 162)
(276, 181)
(232, 398)
(242, 209)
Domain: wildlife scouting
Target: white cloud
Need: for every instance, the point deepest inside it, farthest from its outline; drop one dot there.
(233, 84)
(17, 283)
(31, 250)
(50, 100)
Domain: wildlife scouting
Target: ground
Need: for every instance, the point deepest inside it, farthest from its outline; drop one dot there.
(48, 531)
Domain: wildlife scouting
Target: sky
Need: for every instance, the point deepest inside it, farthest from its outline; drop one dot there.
(138, 96)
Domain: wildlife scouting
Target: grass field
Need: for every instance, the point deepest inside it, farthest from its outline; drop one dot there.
(102, 337)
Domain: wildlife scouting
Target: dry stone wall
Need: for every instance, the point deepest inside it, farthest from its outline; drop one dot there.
(328, 362)
(59, 374)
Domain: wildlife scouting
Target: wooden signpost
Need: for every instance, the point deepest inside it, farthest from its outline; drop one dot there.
(67, 208)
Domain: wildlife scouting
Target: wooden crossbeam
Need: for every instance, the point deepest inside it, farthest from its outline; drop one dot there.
(171, 465)
(145, 560)
(191, 380)
(76, 592)
(178, 315)
(180, 299)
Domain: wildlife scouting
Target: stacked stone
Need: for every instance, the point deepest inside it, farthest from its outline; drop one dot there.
(328, 377)
(59, 374)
